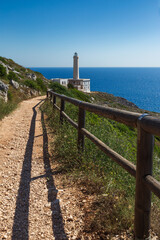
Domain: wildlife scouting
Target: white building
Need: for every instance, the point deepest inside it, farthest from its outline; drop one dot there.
(79, 83)
(61, 81)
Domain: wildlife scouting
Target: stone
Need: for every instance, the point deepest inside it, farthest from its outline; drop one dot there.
(14, 84)
(34, 77)
(31, 76)
(16, 72)
(21, 90)
(33, 92)
(7, 70)
(10, 68)
(3, 86)
(3, 91)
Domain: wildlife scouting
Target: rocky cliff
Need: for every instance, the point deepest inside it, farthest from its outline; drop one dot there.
(18, 82)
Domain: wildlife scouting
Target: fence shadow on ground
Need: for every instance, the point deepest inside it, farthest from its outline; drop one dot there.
(21, 221)
(20, 229)
(57, 219)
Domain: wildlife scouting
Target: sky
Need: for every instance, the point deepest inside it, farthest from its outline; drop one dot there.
(105, 33)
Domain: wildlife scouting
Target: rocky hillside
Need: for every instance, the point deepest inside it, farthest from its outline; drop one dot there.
(18, 83)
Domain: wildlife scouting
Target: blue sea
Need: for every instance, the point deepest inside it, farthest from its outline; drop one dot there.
(138, 85)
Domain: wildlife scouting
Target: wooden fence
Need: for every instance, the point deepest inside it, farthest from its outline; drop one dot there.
(147, 127)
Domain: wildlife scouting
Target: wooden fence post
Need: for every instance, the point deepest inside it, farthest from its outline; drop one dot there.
(61, 110)
(81, 124)
(145, 143)
(54, 99)
(50, 96)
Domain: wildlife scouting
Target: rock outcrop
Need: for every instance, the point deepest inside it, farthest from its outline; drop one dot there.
(14, 84)
(16, 72)
(34, 92)
(4, 91)
(31, 76)
(125, 102)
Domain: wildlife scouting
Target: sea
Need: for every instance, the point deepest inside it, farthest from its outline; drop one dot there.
(138, 85)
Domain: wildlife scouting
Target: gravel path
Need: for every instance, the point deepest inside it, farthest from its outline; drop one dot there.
(34, 204)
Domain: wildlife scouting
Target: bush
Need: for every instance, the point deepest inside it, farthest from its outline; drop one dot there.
(70, 86)
(3, 73)
(41, 84)
(12, 76)
(73, 92)
(56, 87)
(10, 95)
(32, 84)
(3, 60)
(22, 69)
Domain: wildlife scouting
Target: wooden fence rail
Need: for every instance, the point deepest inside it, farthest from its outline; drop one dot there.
(147, 127)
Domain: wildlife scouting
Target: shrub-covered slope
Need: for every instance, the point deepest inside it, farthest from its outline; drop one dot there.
(18, 83)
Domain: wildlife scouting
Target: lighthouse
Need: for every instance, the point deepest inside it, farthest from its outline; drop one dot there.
(81, 84)
(76, 66)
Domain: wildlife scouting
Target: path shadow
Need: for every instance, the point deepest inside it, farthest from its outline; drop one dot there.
(57, 219)
(21, 221)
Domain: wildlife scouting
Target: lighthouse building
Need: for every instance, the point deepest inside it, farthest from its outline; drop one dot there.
(78, 83)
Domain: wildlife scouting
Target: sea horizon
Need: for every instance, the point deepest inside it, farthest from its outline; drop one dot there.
(92, 67)
(140, 85)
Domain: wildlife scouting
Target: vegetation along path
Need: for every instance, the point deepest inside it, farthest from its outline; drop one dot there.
(33, 203)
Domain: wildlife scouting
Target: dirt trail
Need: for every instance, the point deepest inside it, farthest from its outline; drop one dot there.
(34, 204)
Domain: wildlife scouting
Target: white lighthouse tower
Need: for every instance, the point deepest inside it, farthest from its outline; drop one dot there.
(81, 84)
(75, 66)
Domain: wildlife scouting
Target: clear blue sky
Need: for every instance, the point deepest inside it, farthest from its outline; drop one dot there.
(105, 33)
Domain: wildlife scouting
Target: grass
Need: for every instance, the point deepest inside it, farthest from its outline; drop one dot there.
(112, 210)
(6, 108)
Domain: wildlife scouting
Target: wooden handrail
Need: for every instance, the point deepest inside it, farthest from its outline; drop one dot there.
(128, 166)
(147, 127)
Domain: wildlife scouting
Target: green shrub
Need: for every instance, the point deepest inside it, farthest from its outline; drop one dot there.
(11, 60)
(79, 95)
(12, 76)
(3, 60)
(3, 73)
(32, 84)
(74, 93)
(70, 86)
(17, 69)
(22, 69)
(41, 84)
(10, 95)
(56, 87)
